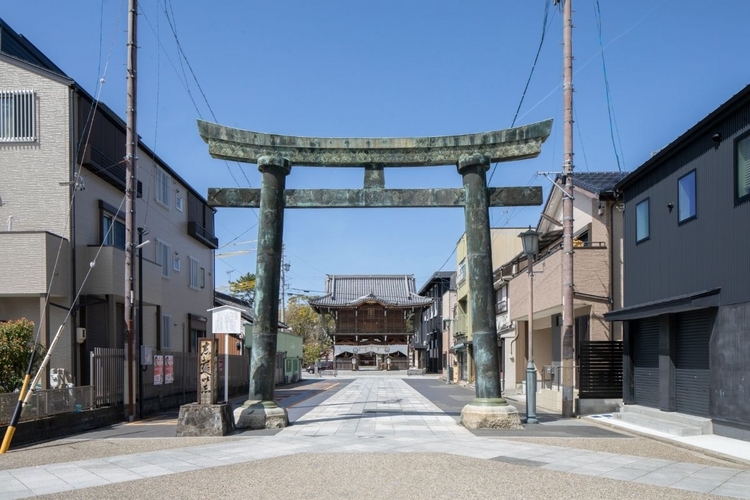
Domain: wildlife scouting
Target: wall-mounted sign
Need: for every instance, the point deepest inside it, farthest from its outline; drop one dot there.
(158, 370)
(168, 369)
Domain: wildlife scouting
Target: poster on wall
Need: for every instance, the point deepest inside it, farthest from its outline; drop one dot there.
(158, 369)
(168, 369)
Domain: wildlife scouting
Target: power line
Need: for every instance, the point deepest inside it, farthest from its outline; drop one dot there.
(610, 112)
(531, 73)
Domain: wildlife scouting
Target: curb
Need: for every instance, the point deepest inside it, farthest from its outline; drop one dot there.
(678, 444)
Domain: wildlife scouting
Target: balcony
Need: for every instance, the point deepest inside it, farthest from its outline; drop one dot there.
(460, 326)
(591, 275)
(27, 263)
(108, 275)
(203, 235)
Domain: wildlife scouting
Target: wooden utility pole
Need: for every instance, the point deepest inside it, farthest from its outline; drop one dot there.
(568, 373)
(131, 151)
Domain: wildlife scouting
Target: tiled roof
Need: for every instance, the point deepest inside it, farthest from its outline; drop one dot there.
(436, 278)
(353, 290)
(598, 182)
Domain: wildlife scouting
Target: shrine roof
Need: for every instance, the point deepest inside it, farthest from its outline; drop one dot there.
(349, 291)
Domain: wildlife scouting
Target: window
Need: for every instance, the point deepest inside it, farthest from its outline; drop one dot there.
(501, 300)
(178, 202)
(163, 186)
(113, 231)
(742, 170)
(686, 197)
(641, 221)
(166, 332)
(17, 116)
(203, 277)
(461, 271)
(176, 263)
(164, 257)
(194, 273)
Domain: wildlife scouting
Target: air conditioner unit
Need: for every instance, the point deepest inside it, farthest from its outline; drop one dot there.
(80, 335)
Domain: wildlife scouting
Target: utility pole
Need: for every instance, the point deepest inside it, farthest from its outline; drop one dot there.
(284, 269)
(131, 150)
(568, 373)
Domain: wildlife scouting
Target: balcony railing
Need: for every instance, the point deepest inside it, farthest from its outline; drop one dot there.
(459, 325)
(203, 235)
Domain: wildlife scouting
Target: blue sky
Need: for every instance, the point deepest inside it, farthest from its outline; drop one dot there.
(407, 68)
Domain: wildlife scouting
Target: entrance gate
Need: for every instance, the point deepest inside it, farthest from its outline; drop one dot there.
(276, 154)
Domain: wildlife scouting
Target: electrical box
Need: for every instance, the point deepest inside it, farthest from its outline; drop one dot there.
(80, 335)
(147, 355)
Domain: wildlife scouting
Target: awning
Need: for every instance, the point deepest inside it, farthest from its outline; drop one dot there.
(368, 349)
(458, 347)
(679, 303)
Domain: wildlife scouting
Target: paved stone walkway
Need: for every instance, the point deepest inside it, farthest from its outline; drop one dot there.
(373, 416)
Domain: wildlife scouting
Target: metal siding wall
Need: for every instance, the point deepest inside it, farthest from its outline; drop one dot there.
(692, 362)
(677, 258)
(646, 361)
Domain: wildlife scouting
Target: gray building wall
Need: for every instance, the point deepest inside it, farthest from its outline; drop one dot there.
(707, 252)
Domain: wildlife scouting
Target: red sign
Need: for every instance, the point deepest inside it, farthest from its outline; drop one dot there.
(158, 369)
(168, 369)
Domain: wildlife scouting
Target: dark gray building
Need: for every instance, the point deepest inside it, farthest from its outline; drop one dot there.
(428, 342)
(686, 311)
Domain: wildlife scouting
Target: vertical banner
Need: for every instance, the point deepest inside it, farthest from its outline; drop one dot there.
(168, 369)
(158, 369)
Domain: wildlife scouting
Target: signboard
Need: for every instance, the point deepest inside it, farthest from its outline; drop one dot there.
(226, 319)
(158, 369)
(168, 369)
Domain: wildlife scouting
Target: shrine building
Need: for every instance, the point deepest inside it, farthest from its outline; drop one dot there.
(374, 319)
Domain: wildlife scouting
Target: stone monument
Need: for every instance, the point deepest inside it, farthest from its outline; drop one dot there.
(206, 418)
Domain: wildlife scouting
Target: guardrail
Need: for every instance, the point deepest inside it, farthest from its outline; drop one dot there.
(43, 403)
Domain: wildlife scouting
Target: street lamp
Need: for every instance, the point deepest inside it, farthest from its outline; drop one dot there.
(530, 241)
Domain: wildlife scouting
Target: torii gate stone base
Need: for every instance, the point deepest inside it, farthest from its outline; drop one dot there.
(472, 154)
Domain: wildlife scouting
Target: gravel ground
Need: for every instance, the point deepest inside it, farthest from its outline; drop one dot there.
(70, 450)
(376, 476)
(636, 446)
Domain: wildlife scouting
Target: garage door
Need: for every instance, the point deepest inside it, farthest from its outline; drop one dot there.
(691, 363)
(646, 361)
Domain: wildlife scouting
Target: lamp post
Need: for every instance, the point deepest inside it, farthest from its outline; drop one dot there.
(530, 241)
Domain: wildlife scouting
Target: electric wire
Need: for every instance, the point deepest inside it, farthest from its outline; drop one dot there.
(545, 26)
(610, 112)
(86, 132)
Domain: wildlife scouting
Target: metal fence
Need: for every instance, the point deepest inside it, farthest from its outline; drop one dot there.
(48, 402)
(600, 373)
(108, 375)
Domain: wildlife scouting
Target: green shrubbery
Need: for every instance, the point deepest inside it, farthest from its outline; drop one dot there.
(16, 344)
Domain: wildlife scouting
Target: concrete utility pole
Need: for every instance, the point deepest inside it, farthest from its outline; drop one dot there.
(568, 373)
(131, 150)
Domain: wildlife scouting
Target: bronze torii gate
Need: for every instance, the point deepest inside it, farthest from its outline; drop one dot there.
(471, 153)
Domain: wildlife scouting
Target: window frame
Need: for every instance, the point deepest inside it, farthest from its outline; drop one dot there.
(738, 200)
(461, 275)
(166, 332)
(18, 113)
(694, 215)
(194, 279)
(179, 203)
(107, 211)
(648, 221)
(164, 258)
(163, 187)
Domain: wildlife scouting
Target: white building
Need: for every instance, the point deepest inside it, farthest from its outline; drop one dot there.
(62, 184)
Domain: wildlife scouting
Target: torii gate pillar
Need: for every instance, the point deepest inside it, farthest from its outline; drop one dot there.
(488, 409)
(260, 411)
